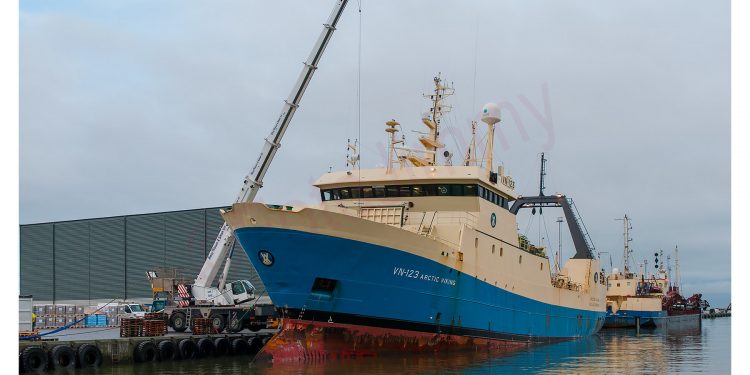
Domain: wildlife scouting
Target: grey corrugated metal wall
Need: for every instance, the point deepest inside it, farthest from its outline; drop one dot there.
(108, 258)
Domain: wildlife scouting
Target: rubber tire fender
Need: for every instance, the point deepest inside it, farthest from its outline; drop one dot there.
(167, 350)
(206, 347)
(187, 349)
(89, 356)
(175, 316)
(222, 346)
(255, 344)
(145, 351)
(34, 358)
(62, 357)
(240, 346)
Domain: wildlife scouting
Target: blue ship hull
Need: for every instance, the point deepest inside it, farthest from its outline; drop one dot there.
(376, 286)
(630, 318)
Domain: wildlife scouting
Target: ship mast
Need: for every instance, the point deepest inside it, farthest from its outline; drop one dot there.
(392, 142)
(626, 243)
(471, 153)
(431, 141)
(676, 269)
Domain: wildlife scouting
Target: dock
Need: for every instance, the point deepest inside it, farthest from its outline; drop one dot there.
(55, 354)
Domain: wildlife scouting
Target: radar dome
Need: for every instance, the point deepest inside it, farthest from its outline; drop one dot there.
(615, 270)
(491, 113)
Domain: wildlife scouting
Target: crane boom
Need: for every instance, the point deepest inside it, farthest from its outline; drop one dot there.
(254, 181)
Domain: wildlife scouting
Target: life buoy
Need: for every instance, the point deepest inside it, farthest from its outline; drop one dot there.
(166, 350)
(89, 356)
(222, 346)
(62, 357)
(145, 351)
(187, 349)
(206, 347)
(34, 359)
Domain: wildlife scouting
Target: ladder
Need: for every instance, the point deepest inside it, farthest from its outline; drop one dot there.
(581, 225)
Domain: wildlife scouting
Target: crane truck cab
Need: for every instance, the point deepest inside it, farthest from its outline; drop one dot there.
(233, 293)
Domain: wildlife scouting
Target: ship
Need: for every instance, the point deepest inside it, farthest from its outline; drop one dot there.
(642, 300)
(417, 255)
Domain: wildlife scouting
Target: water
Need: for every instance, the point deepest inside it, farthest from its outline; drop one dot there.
(611, 352)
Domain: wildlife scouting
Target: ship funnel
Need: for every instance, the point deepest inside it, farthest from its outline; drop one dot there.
(491, 114)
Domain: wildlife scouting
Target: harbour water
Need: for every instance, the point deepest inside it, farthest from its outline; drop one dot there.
(611, 351)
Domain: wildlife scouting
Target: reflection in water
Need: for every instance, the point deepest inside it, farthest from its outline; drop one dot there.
(612, 351)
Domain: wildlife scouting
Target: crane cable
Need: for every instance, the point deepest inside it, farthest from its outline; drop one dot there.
(359, 98)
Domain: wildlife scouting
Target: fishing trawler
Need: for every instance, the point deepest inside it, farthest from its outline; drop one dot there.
(632, 300)
(417, 256)
(647, 301)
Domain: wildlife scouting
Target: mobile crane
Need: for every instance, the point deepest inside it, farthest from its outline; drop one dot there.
(228, 305)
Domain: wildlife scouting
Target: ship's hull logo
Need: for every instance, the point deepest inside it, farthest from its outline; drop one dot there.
(493, 219)
(266, 258)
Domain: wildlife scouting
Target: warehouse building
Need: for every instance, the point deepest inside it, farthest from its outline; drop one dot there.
(94, 260)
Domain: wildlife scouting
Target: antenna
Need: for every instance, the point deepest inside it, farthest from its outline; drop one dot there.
(542, 173)
(559, 241)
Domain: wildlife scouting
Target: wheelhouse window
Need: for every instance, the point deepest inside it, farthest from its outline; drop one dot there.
(402, 191)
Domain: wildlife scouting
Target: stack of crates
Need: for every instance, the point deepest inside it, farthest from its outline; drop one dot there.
(55, 316)
(113, 315)
(97, 320)
(131, 327)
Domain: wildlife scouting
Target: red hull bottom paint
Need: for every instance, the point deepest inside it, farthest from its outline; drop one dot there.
(313, 341)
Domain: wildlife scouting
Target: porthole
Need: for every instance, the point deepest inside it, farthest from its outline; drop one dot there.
(493, 248)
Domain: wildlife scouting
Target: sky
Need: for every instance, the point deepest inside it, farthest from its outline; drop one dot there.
(131, 107)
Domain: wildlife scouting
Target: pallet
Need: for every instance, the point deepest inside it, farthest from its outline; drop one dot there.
(131, 327)
(201, 326)
(154, 327)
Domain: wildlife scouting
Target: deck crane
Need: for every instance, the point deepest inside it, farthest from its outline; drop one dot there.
(221, 251)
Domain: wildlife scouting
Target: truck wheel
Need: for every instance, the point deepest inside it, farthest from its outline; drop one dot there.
(178, 321)
(218, 323)
(235, 325)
